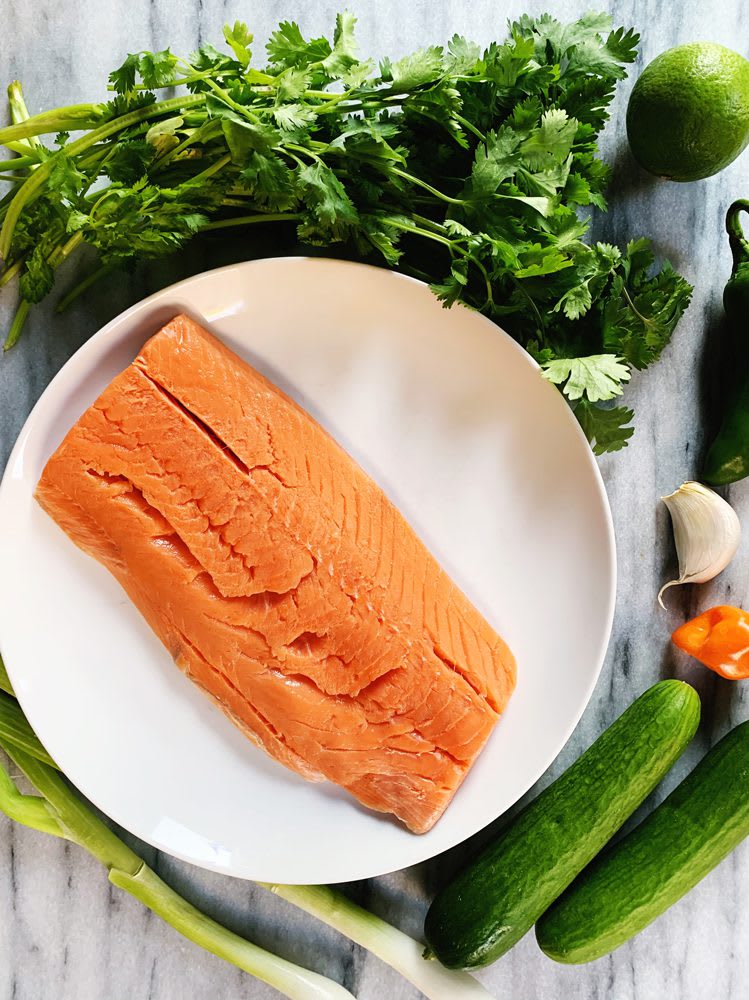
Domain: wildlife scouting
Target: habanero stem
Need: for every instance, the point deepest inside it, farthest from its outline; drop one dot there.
(36, 182)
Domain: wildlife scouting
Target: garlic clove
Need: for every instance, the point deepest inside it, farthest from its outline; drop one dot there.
(706, 533)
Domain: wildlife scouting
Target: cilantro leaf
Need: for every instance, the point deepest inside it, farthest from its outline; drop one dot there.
(288, 47)
(208, 58)
(123, 78)
(641, 312)
(130, 162)
(342, 56)
(239, 38)
(551, 142)
(292, 83)
(597, 377)
(462, 55)
(290, 117)
(494, 161)
(162, 135)
(65, 179)
(331, 212)
(37, 278)
(128, 102)
(243, 136)
(605, 428)
(473, 169)
(622, 44)
(416, 70)
(270, 181)
(157, 69)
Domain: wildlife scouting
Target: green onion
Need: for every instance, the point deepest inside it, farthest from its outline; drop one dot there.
(15, 730)
(62, 812)
(31, 810)
(290, 979)
(394, 947)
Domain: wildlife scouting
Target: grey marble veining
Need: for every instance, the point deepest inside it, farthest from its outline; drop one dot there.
(64, 933)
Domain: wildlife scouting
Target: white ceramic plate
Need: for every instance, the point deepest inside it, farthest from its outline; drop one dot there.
(482, 456)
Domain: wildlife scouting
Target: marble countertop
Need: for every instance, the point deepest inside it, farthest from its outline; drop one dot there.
(64, 932)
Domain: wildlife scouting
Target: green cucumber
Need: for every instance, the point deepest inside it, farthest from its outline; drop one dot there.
(635, 880)
(491, 904)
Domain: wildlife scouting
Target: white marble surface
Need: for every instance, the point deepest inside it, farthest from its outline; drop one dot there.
(64, 933)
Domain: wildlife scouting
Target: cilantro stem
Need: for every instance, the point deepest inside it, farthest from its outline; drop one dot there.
(284, 150)
(453, 245)
(240, 109)
(643, 319)
(18, 163)
(207, 130)
(540, 331)
(307, 152)
(19, 112)
(213, 169)
(75, 116)
(61, 253)
(418, 182)
(418, 231)
(33, 184)
(16, 327)
(330, 100)
(469, 126)
(247, 220)
(84, 285)
(11, 271)
(55, 258)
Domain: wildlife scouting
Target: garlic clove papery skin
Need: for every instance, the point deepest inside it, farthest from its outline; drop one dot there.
(707, 533)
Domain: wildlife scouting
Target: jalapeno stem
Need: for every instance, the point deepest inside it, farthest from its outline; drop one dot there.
(736, 239)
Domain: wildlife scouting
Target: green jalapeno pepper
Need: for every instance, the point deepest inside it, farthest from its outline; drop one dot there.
(728, 457)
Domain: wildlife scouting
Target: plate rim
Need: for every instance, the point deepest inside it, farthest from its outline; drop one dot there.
(76, 365)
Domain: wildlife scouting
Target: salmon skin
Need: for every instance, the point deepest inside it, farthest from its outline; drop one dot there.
(280, 577)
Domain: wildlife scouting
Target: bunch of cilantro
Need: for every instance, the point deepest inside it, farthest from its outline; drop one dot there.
(464, 167)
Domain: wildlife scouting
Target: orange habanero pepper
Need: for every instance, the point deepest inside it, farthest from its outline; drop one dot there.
(719, 638)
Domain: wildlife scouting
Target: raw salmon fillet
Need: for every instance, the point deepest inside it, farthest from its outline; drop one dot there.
(280, 577)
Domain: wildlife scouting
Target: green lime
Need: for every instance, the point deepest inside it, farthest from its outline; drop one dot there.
(688, 116)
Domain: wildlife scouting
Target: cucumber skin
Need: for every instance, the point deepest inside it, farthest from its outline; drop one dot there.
(492, 903)
(637, 879)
